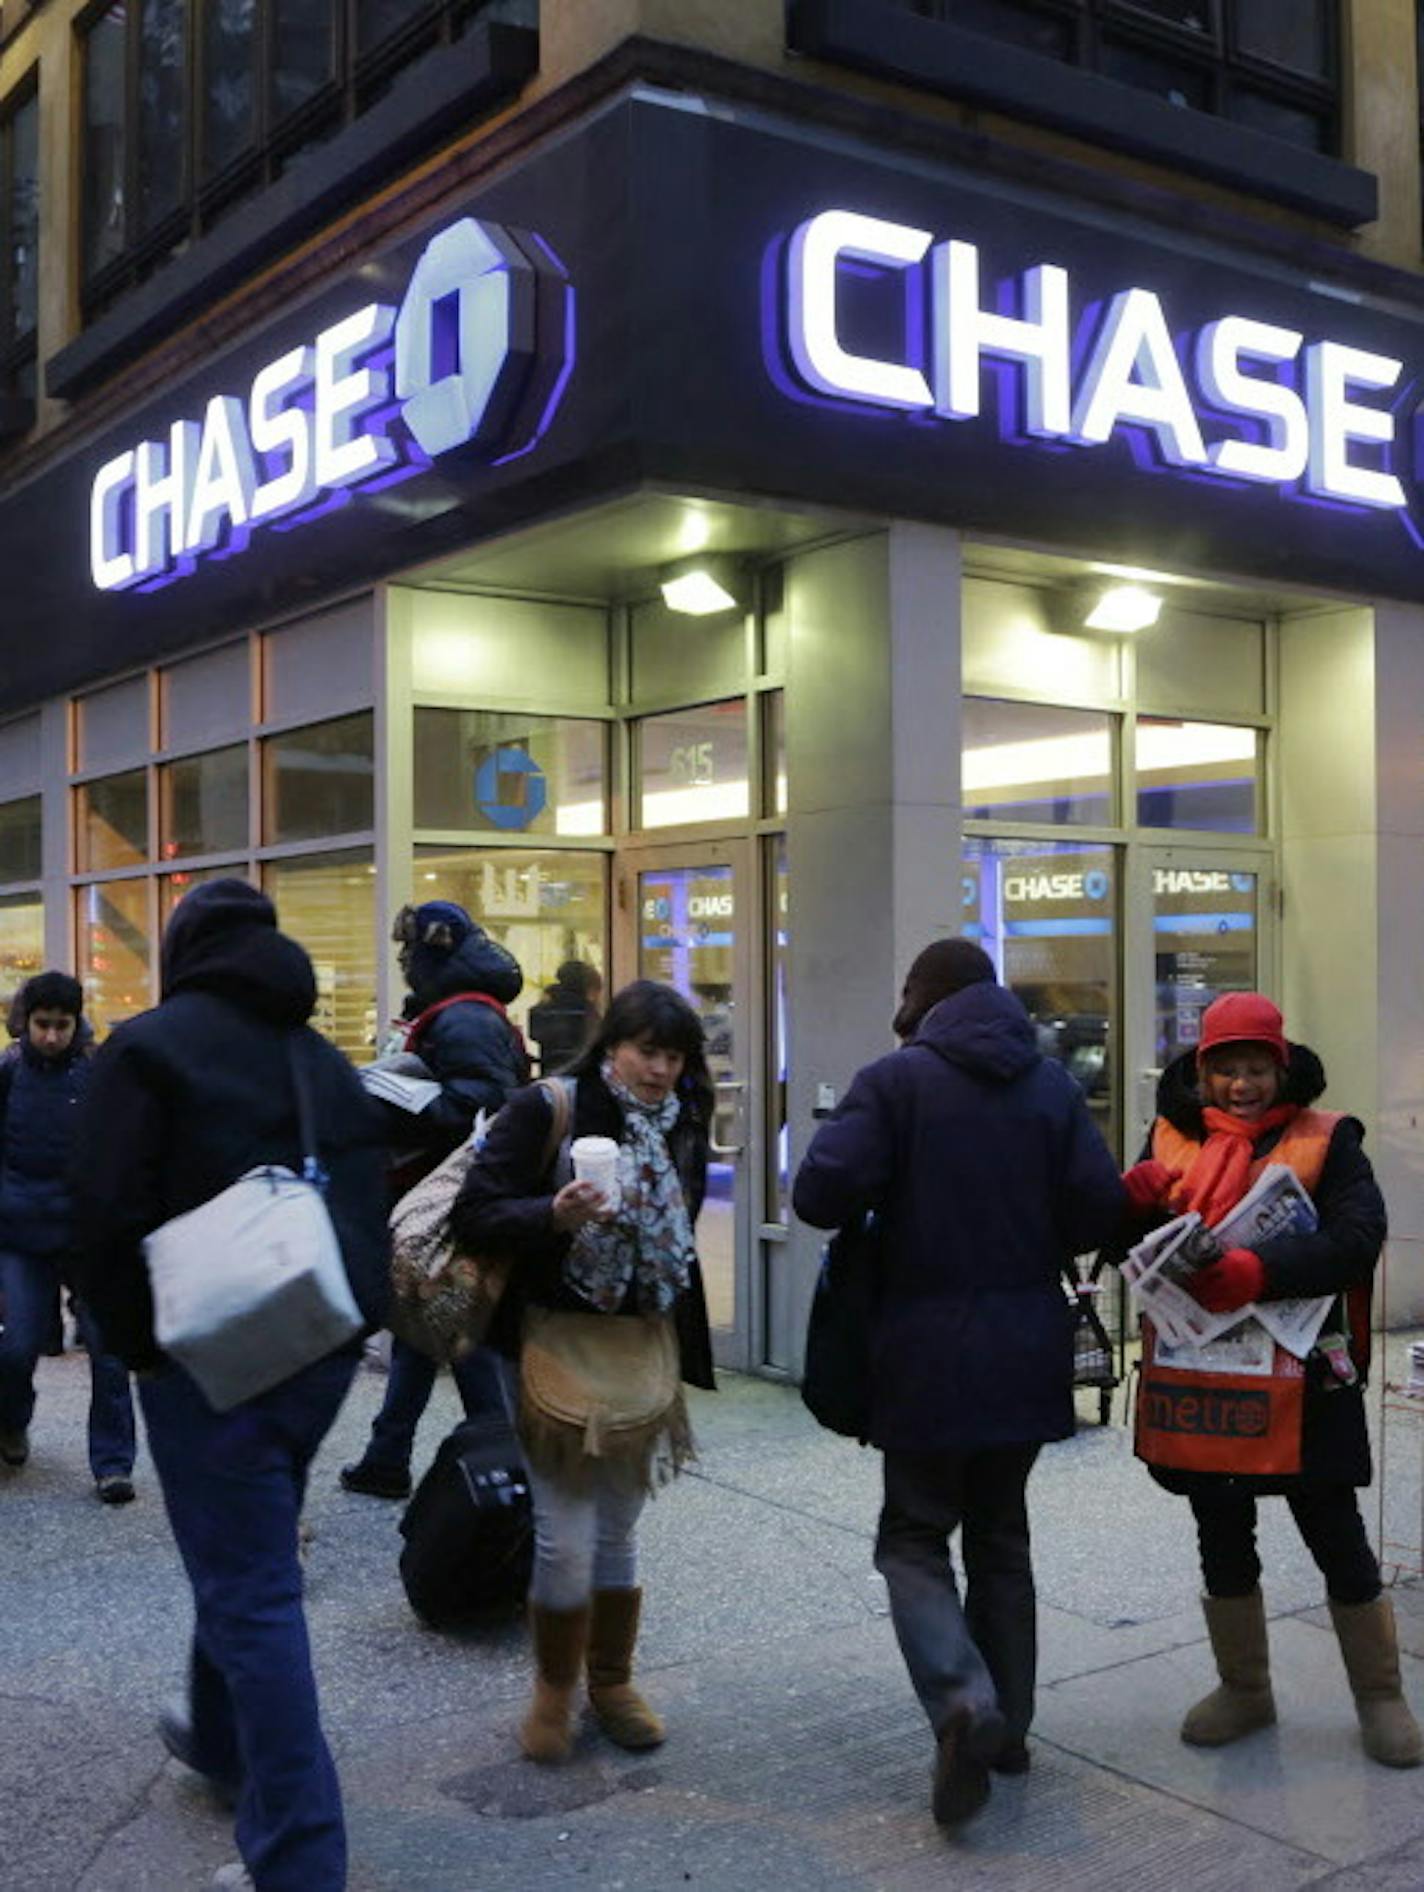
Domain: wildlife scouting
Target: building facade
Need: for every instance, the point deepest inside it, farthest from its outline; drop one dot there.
(729, 492)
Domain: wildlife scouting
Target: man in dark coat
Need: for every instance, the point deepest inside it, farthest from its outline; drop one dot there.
(184, 1099)
(985, 1171)
(460, 982)
(42, 1082)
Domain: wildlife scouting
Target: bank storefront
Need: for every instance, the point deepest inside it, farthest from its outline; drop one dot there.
(740, 612)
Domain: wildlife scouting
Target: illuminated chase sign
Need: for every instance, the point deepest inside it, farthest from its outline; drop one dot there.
(1241, 398)
(476, 355)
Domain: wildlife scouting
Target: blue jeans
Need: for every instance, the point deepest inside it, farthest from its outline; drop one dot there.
(409, 1385)
(233, 1483)
(28, 1284)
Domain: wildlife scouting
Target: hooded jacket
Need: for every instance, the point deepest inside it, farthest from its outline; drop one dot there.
(1339, 1254)
(988, 1175)
(39, 1114)
(471, 1052)
(185, 1098)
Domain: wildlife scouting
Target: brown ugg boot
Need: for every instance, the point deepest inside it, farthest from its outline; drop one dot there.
(613, 1630)
(560, 1639)
(1371, 1650)
(1243, 1702)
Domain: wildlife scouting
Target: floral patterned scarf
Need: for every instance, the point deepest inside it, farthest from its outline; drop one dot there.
(649, 1239)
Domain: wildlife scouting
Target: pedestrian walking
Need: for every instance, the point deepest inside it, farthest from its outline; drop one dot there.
(456, 1025)
(184, 1099)
(979, 1159)
(1243, 1099)
(606, 1315)
(564, 1020)
(43, 1079)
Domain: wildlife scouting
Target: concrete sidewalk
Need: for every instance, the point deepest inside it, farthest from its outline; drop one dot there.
(797, 1756)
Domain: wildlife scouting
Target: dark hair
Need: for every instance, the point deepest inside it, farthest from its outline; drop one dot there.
(51, 992)
(944, 967)
(576, 975)
(646, 1009)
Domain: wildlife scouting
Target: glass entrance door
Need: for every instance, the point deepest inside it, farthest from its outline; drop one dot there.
(687, 917)
(1205, 917)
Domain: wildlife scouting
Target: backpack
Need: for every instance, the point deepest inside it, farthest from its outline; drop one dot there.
(469, 1529)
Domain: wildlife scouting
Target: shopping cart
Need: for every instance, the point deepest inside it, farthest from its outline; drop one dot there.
(1096, 1360)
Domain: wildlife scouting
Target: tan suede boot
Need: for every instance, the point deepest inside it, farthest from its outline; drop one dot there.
(560, 1639)
(613, 1630)
(1371, 1650)
(1243, 1702)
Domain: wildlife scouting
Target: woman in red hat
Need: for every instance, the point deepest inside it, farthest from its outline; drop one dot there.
(1245, 1419)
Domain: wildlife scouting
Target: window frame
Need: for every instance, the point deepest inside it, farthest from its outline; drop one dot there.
(19, 349)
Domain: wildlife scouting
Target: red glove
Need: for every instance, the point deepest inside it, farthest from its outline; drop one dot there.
(1147, 1185)
(1238, 1278)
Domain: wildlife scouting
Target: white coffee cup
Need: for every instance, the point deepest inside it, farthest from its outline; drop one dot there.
(596, 1162)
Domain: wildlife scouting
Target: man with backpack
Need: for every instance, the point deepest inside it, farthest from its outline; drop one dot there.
(460, 982)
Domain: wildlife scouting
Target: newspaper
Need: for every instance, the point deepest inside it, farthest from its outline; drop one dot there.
(1160, 1267)
(401, 1079)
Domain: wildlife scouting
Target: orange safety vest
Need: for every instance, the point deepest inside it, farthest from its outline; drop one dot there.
(1245, 1424)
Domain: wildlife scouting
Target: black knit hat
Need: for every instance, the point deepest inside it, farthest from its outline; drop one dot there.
(50, 992)
(944, 967)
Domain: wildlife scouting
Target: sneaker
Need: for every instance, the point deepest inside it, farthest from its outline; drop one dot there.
(376, 1481)
(115, 1489)
(175, 1731)
(233, 1878)
(14, 1446)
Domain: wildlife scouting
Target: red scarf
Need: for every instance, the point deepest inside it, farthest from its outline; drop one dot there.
(1221, 1172)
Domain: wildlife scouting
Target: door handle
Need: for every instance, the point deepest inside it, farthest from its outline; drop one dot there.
(736, 1085)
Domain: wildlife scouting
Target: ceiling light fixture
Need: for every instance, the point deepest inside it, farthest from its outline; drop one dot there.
(1124, 608)
(701, 587)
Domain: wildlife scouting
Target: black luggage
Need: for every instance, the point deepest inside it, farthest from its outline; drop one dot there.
(469, 1529)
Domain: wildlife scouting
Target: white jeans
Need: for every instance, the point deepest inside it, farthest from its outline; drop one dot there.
(584, 1540)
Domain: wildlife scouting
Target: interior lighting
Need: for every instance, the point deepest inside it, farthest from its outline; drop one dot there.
(701, 587)
(1124, 608)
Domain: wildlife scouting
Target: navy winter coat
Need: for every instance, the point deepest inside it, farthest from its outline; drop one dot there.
(187, 1097)
(471, 1052)
(39, 1111)
(988, 1173)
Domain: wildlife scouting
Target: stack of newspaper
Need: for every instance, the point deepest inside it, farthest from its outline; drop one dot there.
(401, 1079)
(1159, 1269)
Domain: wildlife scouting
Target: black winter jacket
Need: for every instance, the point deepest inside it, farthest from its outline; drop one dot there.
(470, 1051)
(504, 1209)
(987, 1171)
(188, 1096)
(39, 1115)
(1340, 1254)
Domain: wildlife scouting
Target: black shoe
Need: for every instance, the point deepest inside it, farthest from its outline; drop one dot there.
(15, 1446)
(376, 1481)
(176, 1733)
(961, 1775)
(115, 1489)
(1013, 1759)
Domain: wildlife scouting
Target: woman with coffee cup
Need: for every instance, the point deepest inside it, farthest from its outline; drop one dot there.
(606, 1314)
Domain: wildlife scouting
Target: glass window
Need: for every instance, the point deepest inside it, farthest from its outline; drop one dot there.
(1175, 80)
(115, 950)
(304, 53)
(202, 803)
(774, 752)
(692, 766)
(20, 839)
(319, 780)
(778, 1135)
(161, 94)
(328, 903)
(111, 822)
(172, 887)
(21, 942)
(1279, 119)
(20, 216)
(229, 100)
(1029, 762)
(1204, 941)
(1196, 775)
(379, 20)
(1046, 914)
(1293, 33)
(547, 907)
(104, 139)
(511, 774)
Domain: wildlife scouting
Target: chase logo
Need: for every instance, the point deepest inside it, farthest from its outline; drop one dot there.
(473, 361)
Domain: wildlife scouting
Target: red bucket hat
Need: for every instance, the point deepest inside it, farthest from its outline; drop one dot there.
(1243, 1018)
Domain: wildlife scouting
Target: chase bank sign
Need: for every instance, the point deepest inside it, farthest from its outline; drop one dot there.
(372, 399)
(1240, 399)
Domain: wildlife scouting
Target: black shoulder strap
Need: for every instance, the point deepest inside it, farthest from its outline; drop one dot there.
(306, 1110)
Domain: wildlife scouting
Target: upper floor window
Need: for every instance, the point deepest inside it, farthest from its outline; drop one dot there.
(19, 243)
(1272, 65)
(189, 107)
